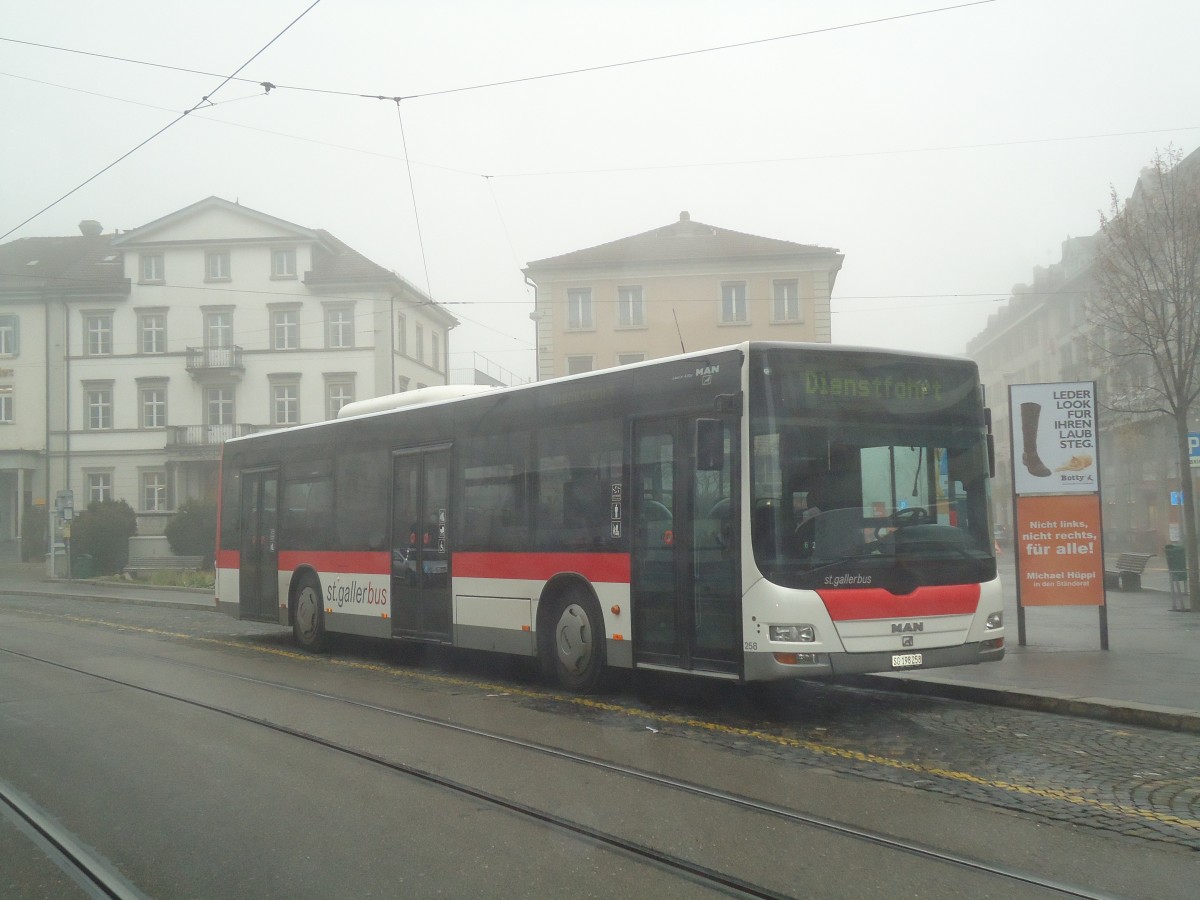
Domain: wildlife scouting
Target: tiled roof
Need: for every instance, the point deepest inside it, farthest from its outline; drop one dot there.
(337, 262)
(681, 241)
(73, 264)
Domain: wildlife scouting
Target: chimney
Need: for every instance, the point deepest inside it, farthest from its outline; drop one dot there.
(90, 228)
(685, 216)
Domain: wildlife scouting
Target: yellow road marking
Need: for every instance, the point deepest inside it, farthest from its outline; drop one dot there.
(764, 737)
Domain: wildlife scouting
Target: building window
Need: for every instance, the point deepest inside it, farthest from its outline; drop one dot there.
(154, 491)
(283, 263)
(153, 404)
(98, 332)
(99, 487)
(339, 327)
(152, 268)
(218, 330)
(579, 308)
(99, 411)
(733, 301)
(152, 330)
(337, 395)
(6, 404)
(630, 313)
(216, 266)
(625, 359)
(420, 342)
(787, 301)
(285, 329)
(9, 330)
(219, 406)
(435, 347)
(578, 364)
(285, 404)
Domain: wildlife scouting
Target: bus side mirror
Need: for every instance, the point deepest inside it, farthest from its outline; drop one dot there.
(710, 445)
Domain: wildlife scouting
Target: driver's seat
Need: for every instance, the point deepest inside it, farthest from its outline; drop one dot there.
(838, 533)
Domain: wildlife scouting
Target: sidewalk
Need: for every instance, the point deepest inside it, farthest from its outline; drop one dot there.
(1150, 675)
(31, 580)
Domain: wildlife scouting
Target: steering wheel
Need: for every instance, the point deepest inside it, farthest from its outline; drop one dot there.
(911, 515)
(902, 518)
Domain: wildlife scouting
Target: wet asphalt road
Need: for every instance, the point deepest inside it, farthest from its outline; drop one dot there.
(1132, 781)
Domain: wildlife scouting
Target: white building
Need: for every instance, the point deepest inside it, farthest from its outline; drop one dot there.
(127, 359)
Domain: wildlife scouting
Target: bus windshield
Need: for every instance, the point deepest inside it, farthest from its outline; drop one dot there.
(871, 473)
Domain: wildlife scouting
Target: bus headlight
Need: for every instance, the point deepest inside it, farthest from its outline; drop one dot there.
(995, 620)
(793, 634)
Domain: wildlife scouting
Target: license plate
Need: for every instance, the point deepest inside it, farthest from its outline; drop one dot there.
(906, 660)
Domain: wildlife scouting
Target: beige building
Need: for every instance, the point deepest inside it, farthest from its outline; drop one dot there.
(684, 286)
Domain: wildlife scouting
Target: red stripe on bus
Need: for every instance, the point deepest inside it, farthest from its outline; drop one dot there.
(876, 603)
(361, 562)
(598, 567)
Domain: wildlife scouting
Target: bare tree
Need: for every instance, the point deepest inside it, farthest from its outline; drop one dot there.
(1147, 304)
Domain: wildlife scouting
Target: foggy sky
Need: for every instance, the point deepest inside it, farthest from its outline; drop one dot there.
(944, 154)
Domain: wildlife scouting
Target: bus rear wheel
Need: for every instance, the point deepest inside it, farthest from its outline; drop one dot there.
(308, 620)
(576, 650)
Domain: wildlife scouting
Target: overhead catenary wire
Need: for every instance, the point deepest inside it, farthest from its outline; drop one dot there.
(379, 95)
(198, 105)
(983, 296)
(412, 189)
(613, 170)
(289, 295)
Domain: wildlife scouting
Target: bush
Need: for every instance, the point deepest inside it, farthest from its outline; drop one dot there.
(193, 531)
(34, 534)
(102, 531)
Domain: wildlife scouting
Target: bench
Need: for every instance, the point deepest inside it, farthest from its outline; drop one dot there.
(1127, 574)
(150, 563)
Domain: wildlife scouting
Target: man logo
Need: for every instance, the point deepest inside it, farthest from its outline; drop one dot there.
(706, 373)
(907, 627)
(906, 641)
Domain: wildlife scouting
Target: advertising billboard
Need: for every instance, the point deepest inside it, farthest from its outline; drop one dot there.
(1054, 438)
(1059, 553)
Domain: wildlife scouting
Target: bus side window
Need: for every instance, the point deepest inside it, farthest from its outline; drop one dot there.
(585, 511)
(494, 494)
(361, 518)
(575, 470)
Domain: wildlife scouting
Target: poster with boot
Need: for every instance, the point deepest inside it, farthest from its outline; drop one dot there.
(1054, 448)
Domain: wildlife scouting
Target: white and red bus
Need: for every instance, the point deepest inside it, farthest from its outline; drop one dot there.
(757, 512)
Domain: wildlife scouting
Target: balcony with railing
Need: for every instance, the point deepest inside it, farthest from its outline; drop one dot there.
(202, 440)
(215, 362)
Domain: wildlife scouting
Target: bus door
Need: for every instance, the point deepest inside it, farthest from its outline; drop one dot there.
(685, 557)
(258, 572)
(421, 544)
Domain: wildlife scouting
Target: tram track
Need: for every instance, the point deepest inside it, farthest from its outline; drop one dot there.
(94, 876)
(636, 849)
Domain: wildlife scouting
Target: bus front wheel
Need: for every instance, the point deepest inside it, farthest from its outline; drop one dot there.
(576, 650)
(308, 622)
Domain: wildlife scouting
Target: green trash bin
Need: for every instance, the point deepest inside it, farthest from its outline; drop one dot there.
(83, 566)
(1176, 561)
(1177, 573)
